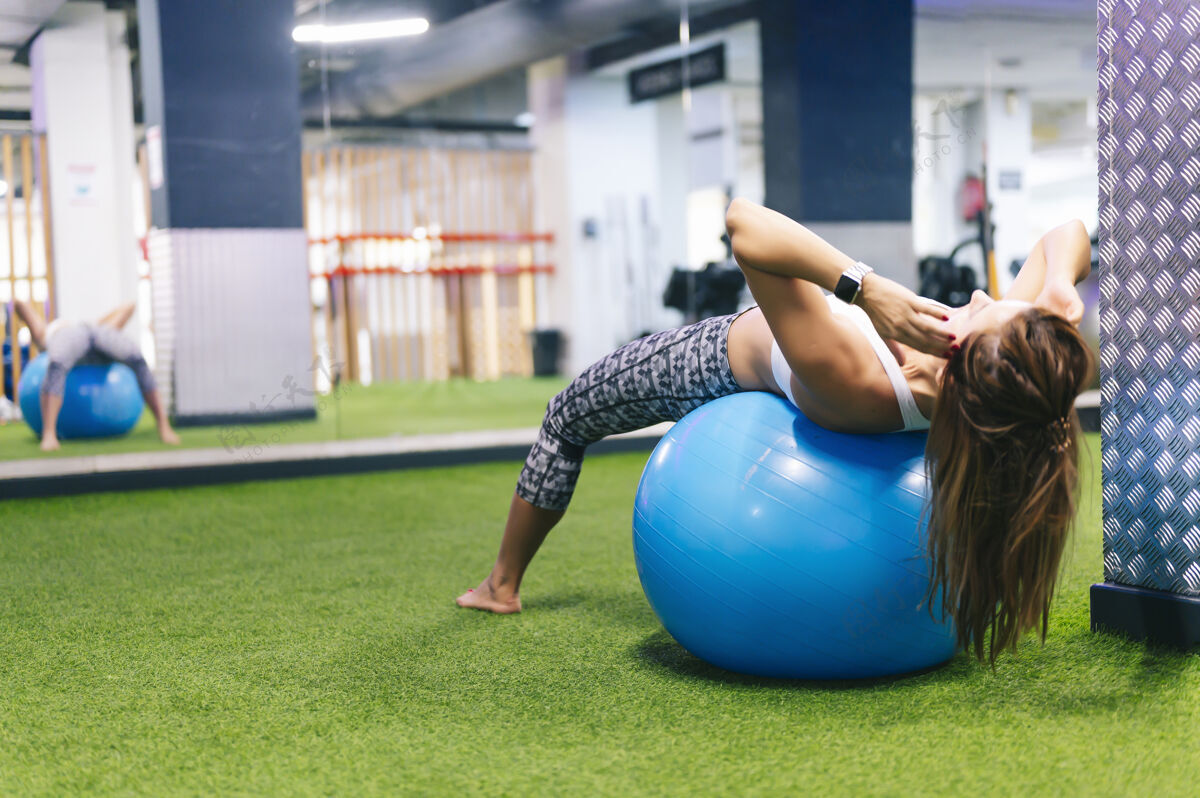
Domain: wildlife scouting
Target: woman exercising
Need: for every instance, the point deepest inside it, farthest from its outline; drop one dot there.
(69, 343)
(995, 383)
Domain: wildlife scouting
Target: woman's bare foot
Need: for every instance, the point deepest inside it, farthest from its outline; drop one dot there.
(50, 443)
(168, 436)
(485, 597)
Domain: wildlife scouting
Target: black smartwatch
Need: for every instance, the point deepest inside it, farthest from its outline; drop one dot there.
(850, 283)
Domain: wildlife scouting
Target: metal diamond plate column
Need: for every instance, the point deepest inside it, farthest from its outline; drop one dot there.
(1149, 153)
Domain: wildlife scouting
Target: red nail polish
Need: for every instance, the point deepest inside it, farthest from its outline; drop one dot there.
(952, 336)
(945, 318)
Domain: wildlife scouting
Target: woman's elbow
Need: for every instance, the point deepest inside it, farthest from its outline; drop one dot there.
(736, 225)
(1076, 231)
(735, 213)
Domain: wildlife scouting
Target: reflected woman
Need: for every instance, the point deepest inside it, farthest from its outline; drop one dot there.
(69, 343)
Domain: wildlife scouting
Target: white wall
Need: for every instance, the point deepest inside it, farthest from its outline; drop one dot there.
(674, 182)
(1063, 184)
(613, 157)
(1063, 180)
(946, 145)
(1010, 148)
(625, 172)
(124, 161)
(1047, 54)
(82, 100)
(548, 135)
(950, 129)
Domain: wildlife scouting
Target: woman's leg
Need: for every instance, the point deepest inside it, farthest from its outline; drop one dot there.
(113, 345)
(64, 349)
(118, 317)
(166, 433)
(526, 528)
(51, 404)
(658, 378)
(34, 321)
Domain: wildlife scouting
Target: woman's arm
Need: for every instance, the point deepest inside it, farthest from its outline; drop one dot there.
(770, 242)
(1060, 259)
(1068, 253)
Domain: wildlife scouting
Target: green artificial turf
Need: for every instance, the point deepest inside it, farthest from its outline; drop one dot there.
(300, 638)
(354, 411)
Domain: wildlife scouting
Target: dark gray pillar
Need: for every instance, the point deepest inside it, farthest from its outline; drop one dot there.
(228, 252)
(837, 109)
(837, 123)
(1150, 319)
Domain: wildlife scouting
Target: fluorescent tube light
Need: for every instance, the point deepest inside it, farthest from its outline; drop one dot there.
(360, 31)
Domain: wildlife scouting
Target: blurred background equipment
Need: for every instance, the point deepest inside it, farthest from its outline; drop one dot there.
(944, 277)
(715, 290)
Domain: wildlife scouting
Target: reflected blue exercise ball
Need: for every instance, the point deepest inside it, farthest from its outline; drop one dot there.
(770, 546)
(99, 400)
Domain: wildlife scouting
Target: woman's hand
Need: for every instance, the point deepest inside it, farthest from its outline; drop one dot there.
(901, 315)
(1061, 297)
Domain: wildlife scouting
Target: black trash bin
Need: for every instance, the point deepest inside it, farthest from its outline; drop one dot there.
(547, 349)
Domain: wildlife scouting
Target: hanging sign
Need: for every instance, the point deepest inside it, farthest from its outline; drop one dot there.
(666, 77)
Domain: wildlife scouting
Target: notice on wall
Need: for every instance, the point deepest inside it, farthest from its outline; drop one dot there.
(1009, 179)
(154, 156)
(81, 184)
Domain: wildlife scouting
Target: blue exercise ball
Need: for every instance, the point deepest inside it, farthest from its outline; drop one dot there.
(99, 400)
(770, 546)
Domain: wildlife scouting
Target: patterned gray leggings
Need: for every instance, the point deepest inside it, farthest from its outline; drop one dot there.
(661, 377)
(82, 342)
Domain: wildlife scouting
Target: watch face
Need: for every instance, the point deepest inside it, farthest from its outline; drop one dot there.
(847, 288)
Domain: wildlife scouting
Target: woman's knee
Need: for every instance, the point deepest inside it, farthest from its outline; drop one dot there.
(557, 420)
(558, 429)
(550, 472)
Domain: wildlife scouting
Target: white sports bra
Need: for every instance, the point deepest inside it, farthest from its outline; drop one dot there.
(913, 420)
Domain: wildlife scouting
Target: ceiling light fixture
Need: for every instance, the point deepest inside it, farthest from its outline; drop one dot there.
(360, 31)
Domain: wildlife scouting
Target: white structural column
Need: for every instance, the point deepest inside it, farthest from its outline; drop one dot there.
(1009, 140)
(547, 82)
(82, 100)
(672, 146)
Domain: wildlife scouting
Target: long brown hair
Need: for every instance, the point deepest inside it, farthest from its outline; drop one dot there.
(1002, 459)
